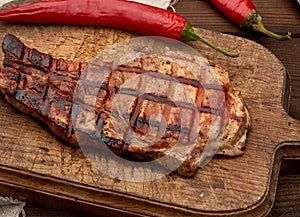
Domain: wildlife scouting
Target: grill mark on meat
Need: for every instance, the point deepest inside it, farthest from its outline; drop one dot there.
(128, 91)
(136, 112)
(138, 103)
(181, 80)
(13, 45)
(163, 126)
(175, 128)
(44, 62)
(34, 85)
(166, 101)
(155, 98)
(45, 86)
(215, 87)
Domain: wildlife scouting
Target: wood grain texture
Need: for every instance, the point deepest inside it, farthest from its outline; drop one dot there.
(226, 185)
(286, 202)
(245, 181)
(287, 197)
(279, 16)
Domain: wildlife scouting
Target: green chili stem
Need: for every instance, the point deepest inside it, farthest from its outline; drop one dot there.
(188, 34)
(254, 22)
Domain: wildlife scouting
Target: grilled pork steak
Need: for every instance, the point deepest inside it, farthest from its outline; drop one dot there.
(162, 104)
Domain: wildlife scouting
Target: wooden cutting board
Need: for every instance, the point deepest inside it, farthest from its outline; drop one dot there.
(37, 167)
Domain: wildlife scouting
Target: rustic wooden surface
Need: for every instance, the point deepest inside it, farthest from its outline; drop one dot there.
(202, 14)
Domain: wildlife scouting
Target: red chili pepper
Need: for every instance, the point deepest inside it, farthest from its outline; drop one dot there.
(121, 14)
(244, 14)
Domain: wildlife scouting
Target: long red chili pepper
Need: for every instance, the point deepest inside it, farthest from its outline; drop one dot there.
(244, 14)
(122, 14)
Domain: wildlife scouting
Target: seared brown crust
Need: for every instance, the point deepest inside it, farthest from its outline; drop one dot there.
(46, 88)
(39, 85)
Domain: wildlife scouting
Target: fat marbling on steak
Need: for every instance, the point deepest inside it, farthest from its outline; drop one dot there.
(45, 87)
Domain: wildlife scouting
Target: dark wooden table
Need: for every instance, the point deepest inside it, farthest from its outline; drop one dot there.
(279, 16)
